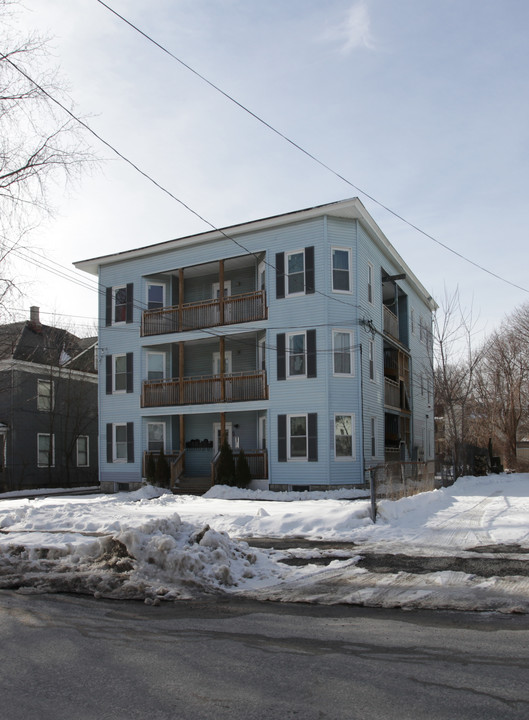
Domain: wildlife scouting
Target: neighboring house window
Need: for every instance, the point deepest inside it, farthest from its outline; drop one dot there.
(118, 306)
(155, 366)
(422, 384)
(370, 296)
(295, 273)
(371, 356)
(341, 270)
(44, 395)
(45, 450)
(342, 352)
(120, 442)
(297, 437)
(119, 373)
(155, 296)
(412, 321)
(82, 451)
(296, 355)
(155, 436)
(343, 436)
(373, 437)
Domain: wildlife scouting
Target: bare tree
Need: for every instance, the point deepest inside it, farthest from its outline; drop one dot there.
(40, 145)
(455, 361)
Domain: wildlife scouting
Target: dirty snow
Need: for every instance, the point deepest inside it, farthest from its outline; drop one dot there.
(154, 546)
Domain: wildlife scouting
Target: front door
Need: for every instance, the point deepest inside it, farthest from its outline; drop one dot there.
(227, 293)
(216, 436)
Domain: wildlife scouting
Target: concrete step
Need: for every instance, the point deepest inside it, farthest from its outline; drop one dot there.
(192, 486)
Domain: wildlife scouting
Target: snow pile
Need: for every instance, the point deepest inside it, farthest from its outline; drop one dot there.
(225, 492)
(463, 547)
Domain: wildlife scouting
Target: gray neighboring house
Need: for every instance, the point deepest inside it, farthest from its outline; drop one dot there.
(48, 407)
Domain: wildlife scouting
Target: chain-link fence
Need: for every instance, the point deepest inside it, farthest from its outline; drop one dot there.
(395, 480)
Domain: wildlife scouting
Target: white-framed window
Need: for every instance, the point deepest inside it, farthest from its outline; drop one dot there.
(261, 276)
(45, 399)
(371, 358)
(228, 362)
(343, 436)
(155, 365)
(295, 272)
(297, 428)
(156, 436)
(155, 295)
(83, 457)
(45, 450)
(373, 437)
(370, 290)
(296, 354)
(342, 350)
(119, 304)
(119, 374)
(412, 320)
(119, 442)
(341, 269)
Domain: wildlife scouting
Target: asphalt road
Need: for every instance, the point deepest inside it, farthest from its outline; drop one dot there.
(76, 658)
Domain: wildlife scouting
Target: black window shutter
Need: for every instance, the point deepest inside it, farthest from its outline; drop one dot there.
(108, 307)
(130, 381)
(311, 354)
(309, 270)
(130, 442)
(110, 456)
(108, 371)
(280, 275)
(129, 316)
(282, 438)
(313, 437)
(281, 359)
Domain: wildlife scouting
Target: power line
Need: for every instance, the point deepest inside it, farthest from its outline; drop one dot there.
(307, 152)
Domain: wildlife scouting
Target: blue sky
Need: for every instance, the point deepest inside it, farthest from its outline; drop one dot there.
(423, 104)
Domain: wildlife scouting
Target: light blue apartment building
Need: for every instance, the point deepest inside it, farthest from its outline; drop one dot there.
(303, 338)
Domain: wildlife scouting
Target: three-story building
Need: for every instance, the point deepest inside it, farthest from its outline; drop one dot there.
(303, 339)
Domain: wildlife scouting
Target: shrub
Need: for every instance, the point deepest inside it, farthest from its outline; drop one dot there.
(242, 471)
(163, 471)
(150, 468)
(226, 466)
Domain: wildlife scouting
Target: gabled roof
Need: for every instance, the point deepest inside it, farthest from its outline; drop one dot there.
(351, 208)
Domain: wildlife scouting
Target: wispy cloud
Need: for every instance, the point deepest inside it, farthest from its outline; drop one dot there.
(354, 31)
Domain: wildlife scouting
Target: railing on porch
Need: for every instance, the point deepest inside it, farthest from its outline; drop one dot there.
(171, 457)
(235, 387)
(257, 462)
(246, 307)
(177, 468)
(391, 323)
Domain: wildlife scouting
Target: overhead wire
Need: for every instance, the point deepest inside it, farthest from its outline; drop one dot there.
(307, 153)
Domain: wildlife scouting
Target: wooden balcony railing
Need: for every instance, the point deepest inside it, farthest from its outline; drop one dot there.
(391, 323)
(235, 387)
(391, 393)
(234, 309)
(257, 461)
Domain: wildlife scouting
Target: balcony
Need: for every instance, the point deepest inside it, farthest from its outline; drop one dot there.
(392, 393)
(231, 310)
(234, 387)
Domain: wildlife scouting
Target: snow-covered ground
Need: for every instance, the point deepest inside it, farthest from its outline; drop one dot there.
(463, 547)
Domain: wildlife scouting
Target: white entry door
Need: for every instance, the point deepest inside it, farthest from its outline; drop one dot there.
(217, 438)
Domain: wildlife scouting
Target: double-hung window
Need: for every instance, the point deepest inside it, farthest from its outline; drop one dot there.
(370, 296)
(82, 451)
(343, 437)
(120, 373)
(341, 270)
(295, 272)
(371, 359)
(155, 296)
(155, 436)
(120, 442)
(44, 395)
(155, 366)
(342, 352)
(45, 450)
(118, 304)
(297, 355)
(119, 311)
(297, 436)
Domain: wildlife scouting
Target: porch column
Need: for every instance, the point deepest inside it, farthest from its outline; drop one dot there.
(181, 299)
(222, 345)
(181, 372)
(221, 293)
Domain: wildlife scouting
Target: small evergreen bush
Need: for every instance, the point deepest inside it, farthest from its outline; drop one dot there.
(242, 471)
(226, 466)
(150, 468)
(163, 471)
